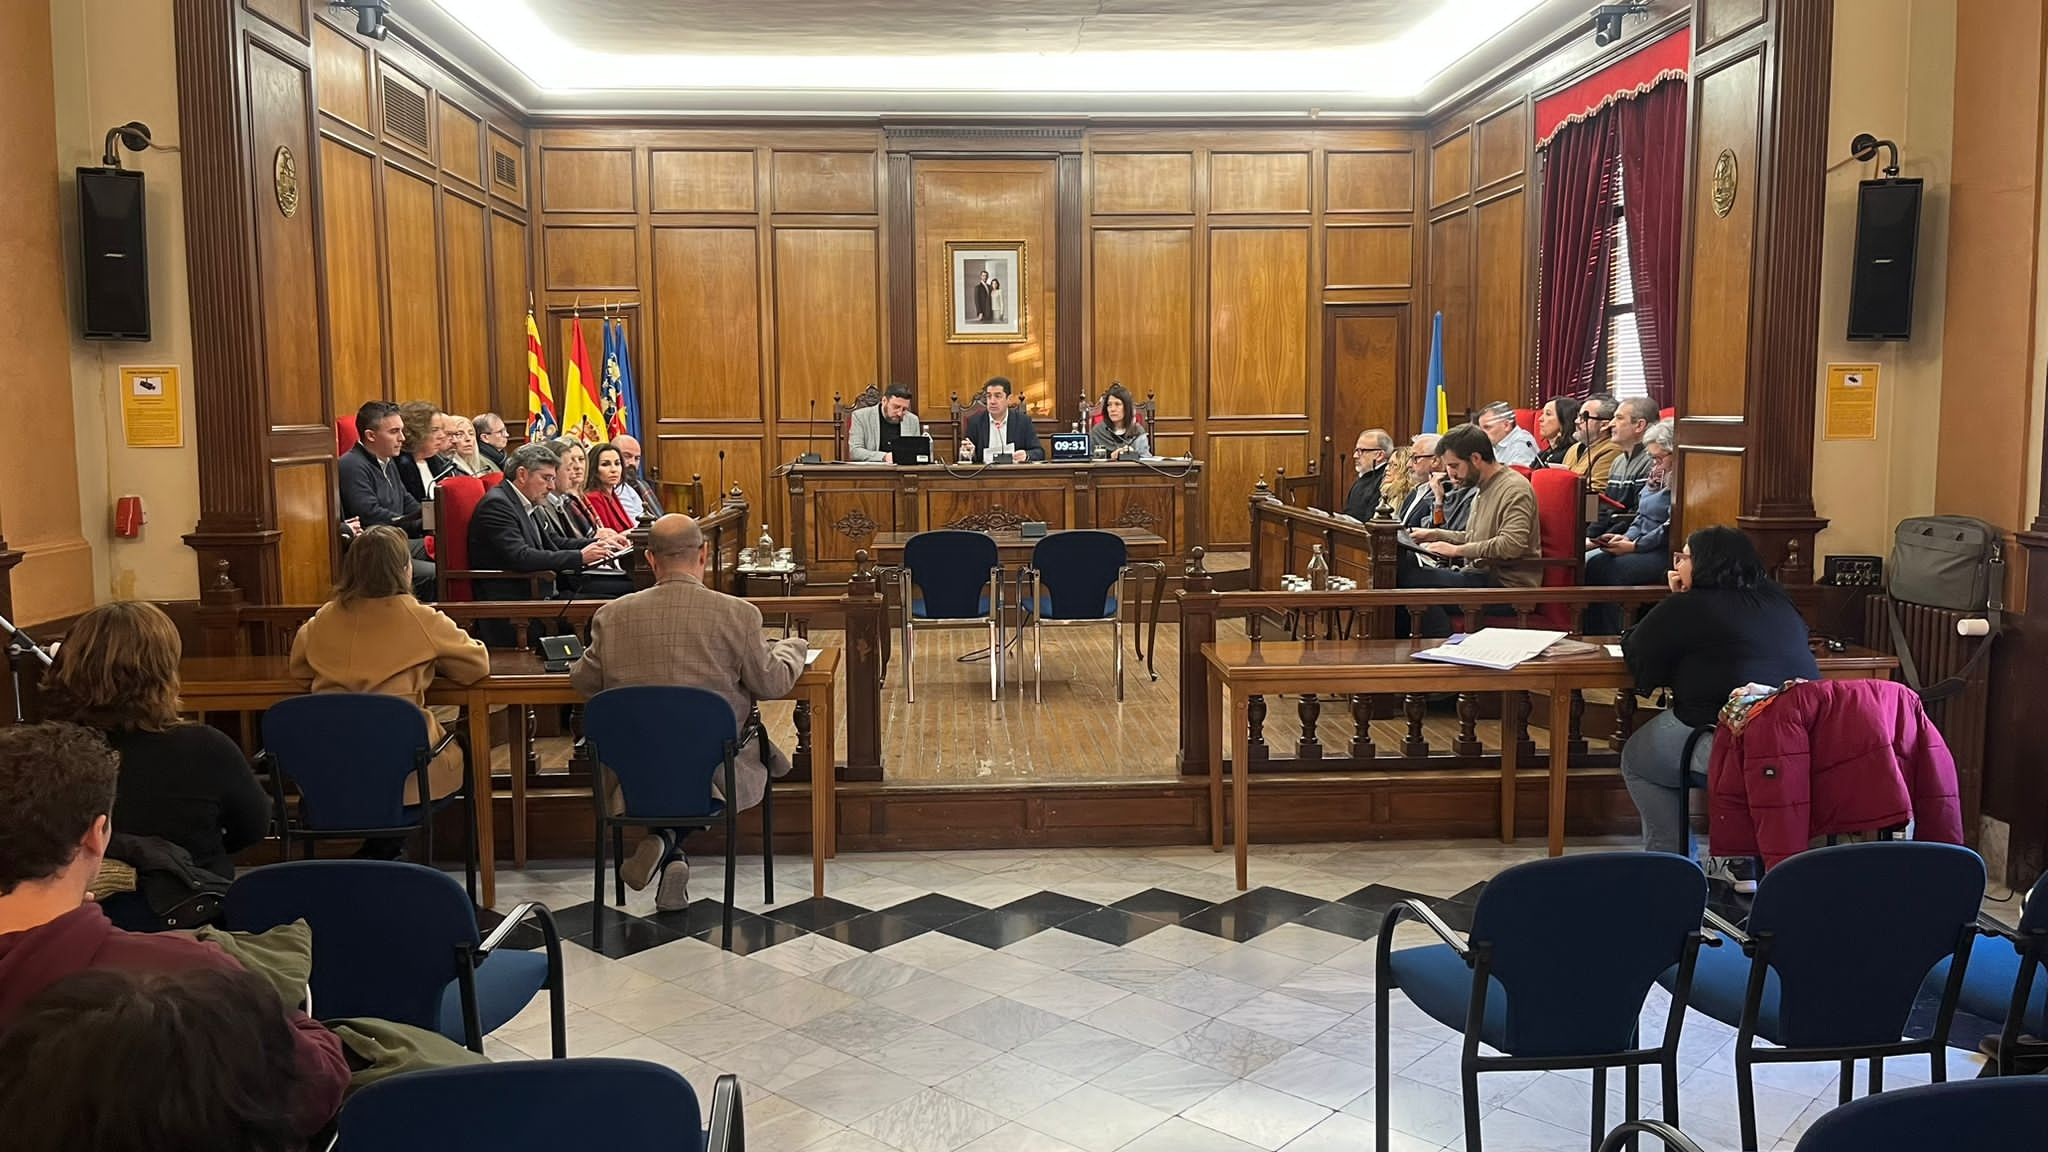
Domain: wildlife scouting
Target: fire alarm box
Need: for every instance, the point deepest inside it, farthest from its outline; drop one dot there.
(128, 517)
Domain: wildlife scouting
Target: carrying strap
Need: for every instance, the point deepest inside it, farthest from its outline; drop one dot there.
(1994, 613)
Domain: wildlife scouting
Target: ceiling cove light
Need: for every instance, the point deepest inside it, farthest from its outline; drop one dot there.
(1400, 67)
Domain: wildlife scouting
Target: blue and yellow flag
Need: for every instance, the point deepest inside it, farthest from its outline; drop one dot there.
(1435, 411)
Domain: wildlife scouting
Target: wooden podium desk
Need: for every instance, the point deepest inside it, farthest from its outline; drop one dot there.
(838, 509)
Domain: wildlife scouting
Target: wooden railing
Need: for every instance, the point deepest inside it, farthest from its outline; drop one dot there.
(229, 627)
(1370, 614)
(1284, 536)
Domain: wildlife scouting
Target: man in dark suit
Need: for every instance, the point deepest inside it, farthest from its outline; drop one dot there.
(1369, 462)
(504, 533)
(491, 437)
(984, 306)
(371, 492)
(998, 433)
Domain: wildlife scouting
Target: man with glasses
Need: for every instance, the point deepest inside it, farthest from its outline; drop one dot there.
(1629, 468)
(1432, 492)
(1592, 454)
(1512, 443)
(1369, 463)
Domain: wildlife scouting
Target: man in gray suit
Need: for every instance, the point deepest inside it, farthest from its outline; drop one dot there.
(680, 632)
(876, 428)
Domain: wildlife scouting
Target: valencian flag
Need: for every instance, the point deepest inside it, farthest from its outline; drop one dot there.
(1434, 408)
(621, 409)
(543, 422)
(582, 409)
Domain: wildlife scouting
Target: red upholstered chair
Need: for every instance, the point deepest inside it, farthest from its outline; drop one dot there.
(455, 501)
(1526, 417)
(1667, 415)
(842, 418)
(1146, 411)
(345, 434)
(1561, 525)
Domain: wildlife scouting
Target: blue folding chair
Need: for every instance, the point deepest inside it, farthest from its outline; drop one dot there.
(951, 579)
(541, 1104)
(1076, 577)
(350, 755)
(1833, 956)
(1561, 955)
(400, 942)
(667, 746)
(2000, 984)
(1976, 1114)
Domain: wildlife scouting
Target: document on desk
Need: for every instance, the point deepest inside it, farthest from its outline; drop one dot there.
(1614, 650)
(811, 657)
(1496, 648)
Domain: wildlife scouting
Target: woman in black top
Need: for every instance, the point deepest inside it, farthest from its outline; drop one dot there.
(1725, 624)
(117, 671)
(1554, 430)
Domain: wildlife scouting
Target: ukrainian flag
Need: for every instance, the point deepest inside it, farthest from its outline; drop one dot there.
(1435, 411)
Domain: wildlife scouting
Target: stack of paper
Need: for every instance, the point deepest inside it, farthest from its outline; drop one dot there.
(1497, 648)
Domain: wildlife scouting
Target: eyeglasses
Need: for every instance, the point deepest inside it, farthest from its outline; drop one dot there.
(1363, 451)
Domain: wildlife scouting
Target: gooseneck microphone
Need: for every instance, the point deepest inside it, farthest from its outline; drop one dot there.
(810, 455)
(721, 474)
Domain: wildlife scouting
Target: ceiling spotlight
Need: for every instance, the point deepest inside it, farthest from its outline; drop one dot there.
(369, 16)
(1607, 20)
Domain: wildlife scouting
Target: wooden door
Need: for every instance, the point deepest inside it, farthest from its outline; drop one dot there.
(1365, 383)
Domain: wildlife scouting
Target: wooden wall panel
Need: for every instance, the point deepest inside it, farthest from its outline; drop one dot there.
(586, 180)
(1236, 462)
(1367, 380)
(1143, 303)
(1450, 292)
(591, 258)
(827, 318)
(1258, 315)
(701, 181)
(707, 292)
(341, 69)
(462, 145)
(982, 200)
(1369, 256)
(278, 111)
(834, 182)
(1717, 362)
(413, 269)
(306, 524)
(509, 287)
(355, 286)
(469, 311)
(1503, 150)
(287, 14)
(1709, 490)
(1258, 182)
(1370, 182)
(1450, 169)
(1721, 19)
(682, 455)
(1500, 302)
(508, 168)
(1133, 183)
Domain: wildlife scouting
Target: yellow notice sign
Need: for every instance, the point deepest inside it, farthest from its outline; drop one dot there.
(149, 407)
(1852, 402)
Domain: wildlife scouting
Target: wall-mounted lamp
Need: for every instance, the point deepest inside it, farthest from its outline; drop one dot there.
(1864, 148)
(134, 135)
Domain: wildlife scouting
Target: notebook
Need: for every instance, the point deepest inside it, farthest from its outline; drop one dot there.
(1496, 648)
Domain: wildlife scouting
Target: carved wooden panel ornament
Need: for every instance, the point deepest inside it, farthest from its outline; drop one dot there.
(285, 178)
(1725, 182)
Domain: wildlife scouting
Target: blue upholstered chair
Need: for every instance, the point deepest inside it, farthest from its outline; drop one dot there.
(1624, 1136)
(1075, 577)
(538, 1104)
(951, 579)
(349, 755)
(1990, 1113)
(400, 942)
(667, 746)
(1833, 956)
(2003, 980)
(1561, 955)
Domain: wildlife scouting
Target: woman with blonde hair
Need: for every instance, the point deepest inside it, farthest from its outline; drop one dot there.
(462, 447)
(568, 513)
(117, 672)
(374, 637)
(1399, 483)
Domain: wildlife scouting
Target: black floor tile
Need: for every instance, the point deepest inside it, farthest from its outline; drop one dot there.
(1051, 904)
(817, 913)
(934, 910)
(703, 919)
(1112, 926)
(526, 936)
(1378, 898)
(1344, 920)
(1258, 911)
(1160, 904)
(1002, 927)
(700, 915)
(578, 919)
(616, 935)
(874, 931)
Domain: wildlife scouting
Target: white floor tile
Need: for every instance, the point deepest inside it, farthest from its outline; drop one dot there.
(1257, 1115)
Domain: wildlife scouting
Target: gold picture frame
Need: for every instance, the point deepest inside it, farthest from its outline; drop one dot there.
(986, 290)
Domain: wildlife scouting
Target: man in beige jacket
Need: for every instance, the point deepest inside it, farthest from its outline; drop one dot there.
(680, 632)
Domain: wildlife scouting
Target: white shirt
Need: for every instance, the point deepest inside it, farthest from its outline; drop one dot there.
(426, 474)
(630, 500)
(999, 439)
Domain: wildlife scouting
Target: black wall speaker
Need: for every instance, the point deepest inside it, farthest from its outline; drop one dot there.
(113, 254)
(1887, 239)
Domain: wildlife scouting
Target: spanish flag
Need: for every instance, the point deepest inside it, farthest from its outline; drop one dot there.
(542, 421)
(582, 407)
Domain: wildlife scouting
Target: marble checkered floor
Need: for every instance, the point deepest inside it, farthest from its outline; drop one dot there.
(1113, 1000)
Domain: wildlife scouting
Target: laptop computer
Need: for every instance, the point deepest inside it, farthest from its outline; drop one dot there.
(911, 450)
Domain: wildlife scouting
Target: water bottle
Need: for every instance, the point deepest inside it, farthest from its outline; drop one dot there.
(1318, 570)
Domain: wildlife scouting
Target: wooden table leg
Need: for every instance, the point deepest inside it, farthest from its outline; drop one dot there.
(517, 718)
(1215, 688)
(1152, 640)
(1560, 761)
(1240, 784)
(1507, 768)
(824, 769)
(480, 797)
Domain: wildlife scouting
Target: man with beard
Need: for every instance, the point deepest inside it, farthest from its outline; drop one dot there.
(1499, 540)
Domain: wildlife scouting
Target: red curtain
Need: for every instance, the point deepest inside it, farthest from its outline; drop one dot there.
(1650, 133)
(1578, 218)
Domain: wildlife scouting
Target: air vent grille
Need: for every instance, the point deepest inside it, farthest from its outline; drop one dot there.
(405, 113)
(505, 169)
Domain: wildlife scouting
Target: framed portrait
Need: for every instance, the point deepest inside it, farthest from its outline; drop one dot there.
(986, 279)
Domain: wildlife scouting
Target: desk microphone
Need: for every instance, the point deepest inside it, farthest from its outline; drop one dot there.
(559, 650)
(721, 474)
(810, 455)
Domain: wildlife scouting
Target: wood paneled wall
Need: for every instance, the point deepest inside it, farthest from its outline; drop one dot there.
(389, 259)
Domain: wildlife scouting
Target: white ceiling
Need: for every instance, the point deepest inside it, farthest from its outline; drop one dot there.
(1025, 57)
